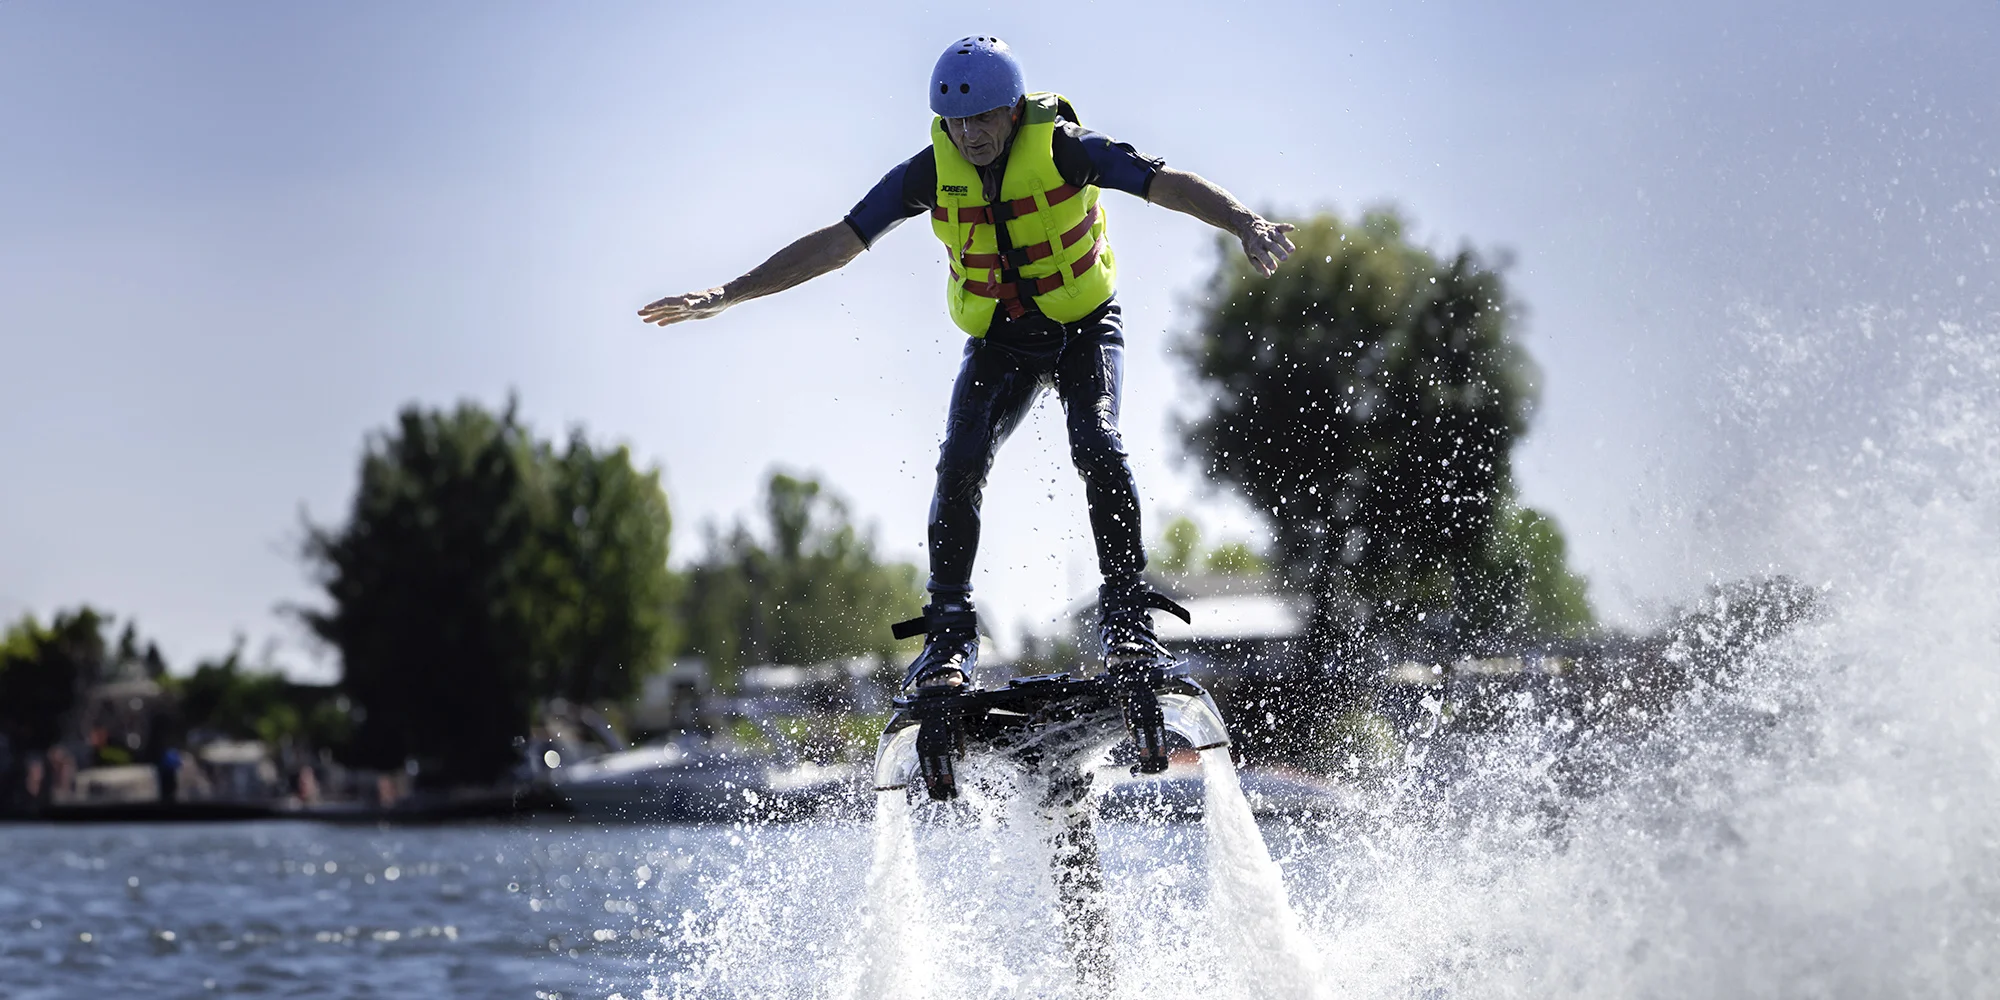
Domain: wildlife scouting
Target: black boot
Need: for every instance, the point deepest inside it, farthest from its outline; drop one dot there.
(952, 649)
(1125, 626)
(1133, 656)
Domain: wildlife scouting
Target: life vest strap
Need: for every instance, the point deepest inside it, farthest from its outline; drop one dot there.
(1012, 291)
(1003, 211)
(1021, 257)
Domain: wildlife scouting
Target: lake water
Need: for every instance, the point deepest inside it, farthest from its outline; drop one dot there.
(305, 909)
(296, 909)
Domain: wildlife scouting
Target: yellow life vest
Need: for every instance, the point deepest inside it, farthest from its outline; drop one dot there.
(1056, 252)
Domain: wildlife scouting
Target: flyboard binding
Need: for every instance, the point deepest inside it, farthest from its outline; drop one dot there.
(1050, 719)
(1050, 722)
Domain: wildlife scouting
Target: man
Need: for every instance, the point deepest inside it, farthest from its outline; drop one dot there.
(1011, 183)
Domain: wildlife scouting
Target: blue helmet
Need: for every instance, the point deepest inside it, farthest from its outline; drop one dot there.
(976, 74)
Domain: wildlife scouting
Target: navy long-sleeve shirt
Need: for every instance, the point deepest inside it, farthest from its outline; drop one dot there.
(1082, 157)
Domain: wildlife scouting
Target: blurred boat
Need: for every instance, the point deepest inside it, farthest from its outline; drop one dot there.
(699, 782)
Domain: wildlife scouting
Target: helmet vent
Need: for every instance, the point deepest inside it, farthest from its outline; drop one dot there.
(976, 72)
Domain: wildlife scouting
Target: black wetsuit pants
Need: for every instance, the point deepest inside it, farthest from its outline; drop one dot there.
(998, 382)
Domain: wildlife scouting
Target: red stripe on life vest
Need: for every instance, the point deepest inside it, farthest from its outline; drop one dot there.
(1011, 290)
(983, 214)
(1040, 251)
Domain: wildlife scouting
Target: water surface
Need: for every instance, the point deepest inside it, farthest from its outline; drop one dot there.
(299, 909)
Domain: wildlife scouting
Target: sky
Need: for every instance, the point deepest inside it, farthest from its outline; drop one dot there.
(236, 237)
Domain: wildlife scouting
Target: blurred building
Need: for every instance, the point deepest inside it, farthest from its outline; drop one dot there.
(674, 702)
(846, 685)
(1243, 626)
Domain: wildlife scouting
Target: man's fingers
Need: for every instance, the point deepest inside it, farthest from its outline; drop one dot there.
(675, 308)
(670, 314)
(1275, 235)
(1267, 246)
(1267, 255)
(1258, 255)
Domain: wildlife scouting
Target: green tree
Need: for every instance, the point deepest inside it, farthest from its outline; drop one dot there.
(1234, 559)
(44, 673)
(479, 572)
(1181, 552)
(225, 697)
(809, 588)
(613, 613)
(136, 660)
(1180, 543)
(1525, 571)
(1367, 398)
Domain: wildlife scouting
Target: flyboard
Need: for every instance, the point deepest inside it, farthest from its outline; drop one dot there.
(1048, 722)
(1061, 732)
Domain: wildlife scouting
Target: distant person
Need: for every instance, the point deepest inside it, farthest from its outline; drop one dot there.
(34, 781)
(61, 777)
(1011, 183)
(168, 771)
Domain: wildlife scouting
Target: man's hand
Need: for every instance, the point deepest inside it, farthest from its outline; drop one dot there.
(1264, 241)
(1266, 244)
(809, 256)
(693, 305)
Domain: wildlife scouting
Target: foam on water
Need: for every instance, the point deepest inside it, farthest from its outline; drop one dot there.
(979, 912)
(1823, 822)
(1827, 824)
(892, 918)
(1262, 939)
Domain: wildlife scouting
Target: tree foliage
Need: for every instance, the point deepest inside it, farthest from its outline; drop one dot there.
(1367, 398)
(478, 572)
(1526, 569)
(44, 672)
(225, 698)
(613, 611)
(808, 588)
(1182, 553)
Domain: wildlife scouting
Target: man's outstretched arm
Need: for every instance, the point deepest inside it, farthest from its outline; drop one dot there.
(808, 257)
(1264, 241)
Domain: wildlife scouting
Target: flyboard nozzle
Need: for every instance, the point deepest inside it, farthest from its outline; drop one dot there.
(1147, 722)
(940, 743)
